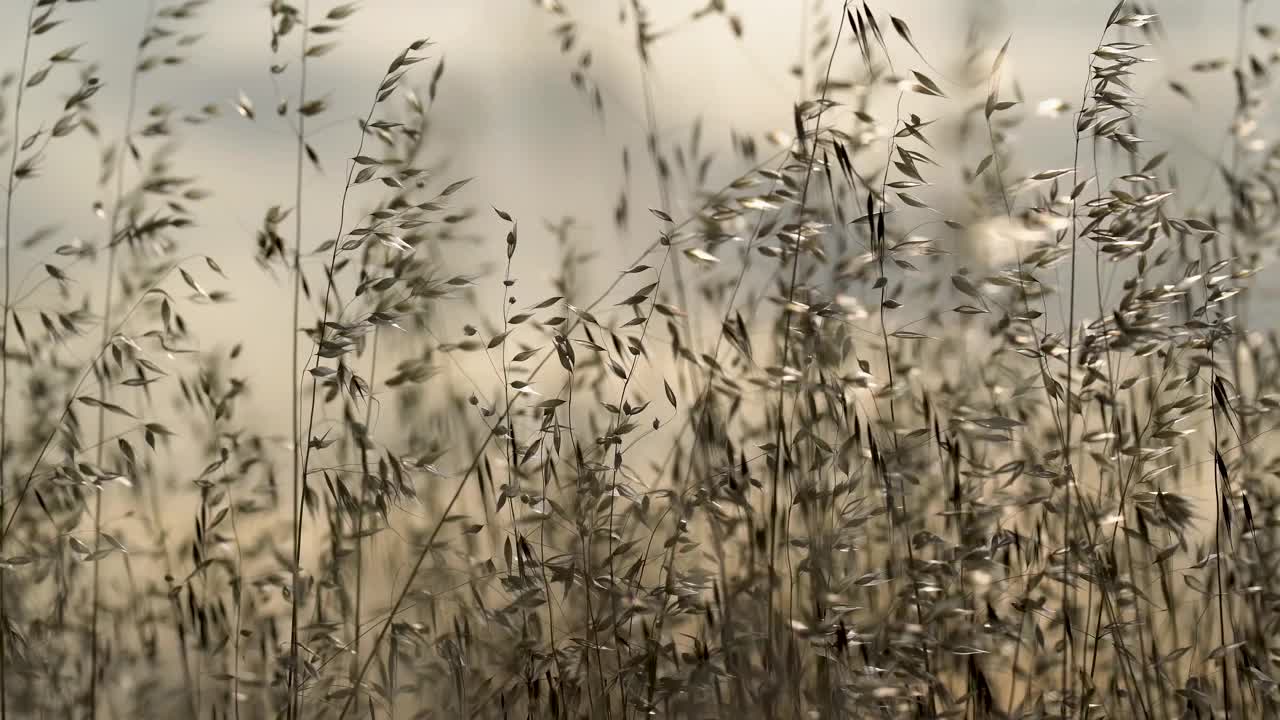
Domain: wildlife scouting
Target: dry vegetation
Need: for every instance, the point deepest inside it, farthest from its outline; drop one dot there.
(809, 455)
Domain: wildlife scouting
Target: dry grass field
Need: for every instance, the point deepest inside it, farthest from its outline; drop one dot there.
(875, 417)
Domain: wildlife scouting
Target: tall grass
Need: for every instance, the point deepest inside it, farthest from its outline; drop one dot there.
(890, 424)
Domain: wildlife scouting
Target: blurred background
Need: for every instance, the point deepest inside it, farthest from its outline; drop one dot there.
(508, 115)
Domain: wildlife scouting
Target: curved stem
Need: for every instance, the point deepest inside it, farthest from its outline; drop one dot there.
(71, 396)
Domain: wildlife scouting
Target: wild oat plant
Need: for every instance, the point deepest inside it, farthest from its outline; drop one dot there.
(890, 425)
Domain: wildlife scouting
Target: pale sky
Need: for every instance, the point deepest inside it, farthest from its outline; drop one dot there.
(508, 116)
